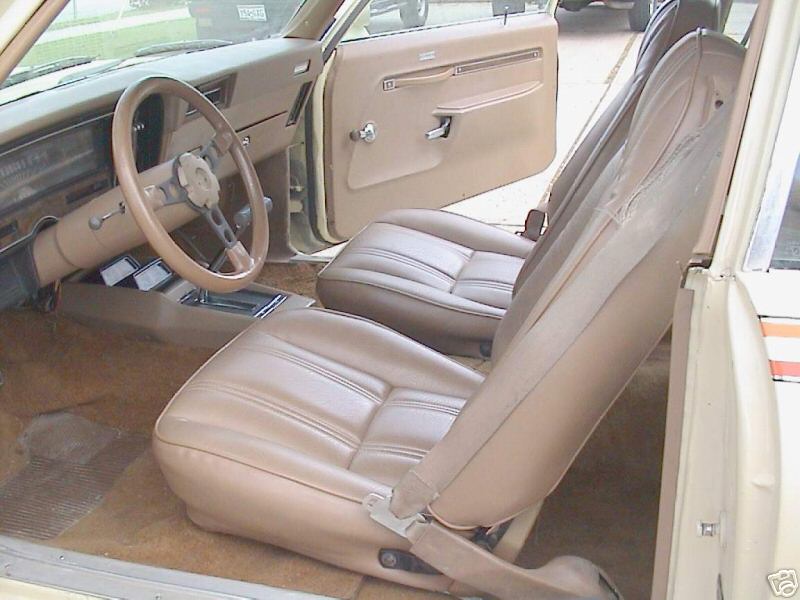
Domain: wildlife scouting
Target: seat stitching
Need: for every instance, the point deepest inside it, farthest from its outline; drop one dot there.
(406, 403)
(407, 260)
(458, 276)
(418, 297)
(373, 416)
(328, 374)
(258, 468)
(465, 251)
(247, 395)
(514, 257)
(390, 450)
(500, 285)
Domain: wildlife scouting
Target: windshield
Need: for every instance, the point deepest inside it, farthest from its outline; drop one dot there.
(90, 37)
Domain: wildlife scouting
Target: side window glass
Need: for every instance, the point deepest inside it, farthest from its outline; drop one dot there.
(394, 16)
(787, 247)
(776, 239)
(739, 19)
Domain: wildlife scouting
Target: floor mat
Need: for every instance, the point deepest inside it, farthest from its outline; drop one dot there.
(142, 521)
(72, 464)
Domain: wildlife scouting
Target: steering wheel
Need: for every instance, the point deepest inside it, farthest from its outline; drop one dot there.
(194, 182)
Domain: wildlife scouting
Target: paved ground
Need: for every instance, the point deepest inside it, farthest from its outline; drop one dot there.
(597, 54)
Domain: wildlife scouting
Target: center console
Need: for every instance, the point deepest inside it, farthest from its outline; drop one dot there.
(148, 299)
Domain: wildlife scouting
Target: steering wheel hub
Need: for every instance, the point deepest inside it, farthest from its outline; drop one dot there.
(197, 178)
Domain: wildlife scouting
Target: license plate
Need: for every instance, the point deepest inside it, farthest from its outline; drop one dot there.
(252, 12)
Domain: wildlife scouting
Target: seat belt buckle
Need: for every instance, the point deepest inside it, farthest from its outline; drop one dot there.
(380, 510)
(534, 224)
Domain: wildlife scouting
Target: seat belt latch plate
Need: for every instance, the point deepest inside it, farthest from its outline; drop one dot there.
(380, 511)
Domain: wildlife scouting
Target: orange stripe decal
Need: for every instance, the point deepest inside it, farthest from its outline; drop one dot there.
(784, 369)
(780, 330)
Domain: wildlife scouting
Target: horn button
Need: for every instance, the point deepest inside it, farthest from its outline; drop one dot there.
(197, 178)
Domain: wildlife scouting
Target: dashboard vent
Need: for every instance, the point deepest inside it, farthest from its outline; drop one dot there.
(217, 94)
(299, 103)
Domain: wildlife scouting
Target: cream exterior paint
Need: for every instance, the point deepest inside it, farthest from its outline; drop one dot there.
(13, 15)
(19, 590)
(739, 425)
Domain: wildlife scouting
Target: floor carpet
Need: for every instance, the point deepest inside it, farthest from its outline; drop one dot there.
(605, 509)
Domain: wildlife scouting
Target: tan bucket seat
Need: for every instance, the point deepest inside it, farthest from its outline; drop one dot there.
(447, 280)
(343, 440)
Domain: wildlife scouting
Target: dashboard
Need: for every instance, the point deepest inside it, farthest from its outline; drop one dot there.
(56, 166)
(51, 175)
(54, 173)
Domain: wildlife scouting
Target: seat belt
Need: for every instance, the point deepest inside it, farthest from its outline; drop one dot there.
(404, 510)
(423, 482)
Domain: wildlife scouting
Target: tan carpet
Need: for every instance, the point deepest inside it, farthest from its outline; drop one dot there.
(299, 278)
(12, 455)
(605, 509)
(142, 521)
(52, 363)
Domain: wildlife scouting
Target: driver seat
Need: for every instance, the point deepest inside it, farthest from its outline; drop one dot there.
(340, 439)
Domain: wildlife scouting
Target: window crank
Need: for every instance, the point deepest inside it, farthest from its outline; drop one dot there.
(367, 134)
(96, 222)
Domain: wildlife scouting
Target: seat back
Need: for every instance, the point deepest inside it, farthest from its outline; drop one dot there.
(593, 160)
(581, 337)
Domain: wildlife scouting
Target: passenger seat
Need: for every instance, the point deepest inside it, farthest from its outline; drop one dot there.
(447, 280)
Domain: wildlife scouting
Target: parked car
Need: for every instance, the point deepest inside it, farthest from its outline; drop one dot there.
(413, 13)
(639, 11)
(236, 21)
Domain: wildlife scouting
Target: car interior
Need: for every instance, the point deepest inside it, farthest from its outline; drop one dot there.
(443, 407)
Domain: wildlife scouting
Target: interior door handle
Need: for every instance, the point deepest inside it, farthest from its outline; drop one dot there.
(442, 131)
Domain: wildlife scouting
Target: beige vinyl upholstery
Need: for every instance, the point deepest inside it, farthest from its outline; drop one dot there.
(440, 278)
(446, 280)
(282, 434)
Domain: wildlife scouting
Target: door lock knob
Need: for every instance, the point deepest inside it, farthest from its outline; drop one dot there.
(368, 133)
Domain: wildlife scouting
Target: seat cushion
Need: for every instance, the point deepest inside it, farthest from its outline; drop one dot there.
(285, 431)
(438, 277)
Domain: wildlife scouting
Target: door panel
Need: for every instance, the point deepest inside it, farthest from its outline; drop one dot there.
(495, 84)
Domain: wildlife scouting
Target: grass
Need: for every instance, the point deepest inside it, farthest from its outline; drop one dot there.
(67, 23)
(118, 43)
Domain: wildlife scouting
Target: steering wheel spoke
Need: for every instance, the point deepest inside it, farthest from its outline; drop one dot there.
(173, 192)
(240, 259)
(220, 226)
(215, 150)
